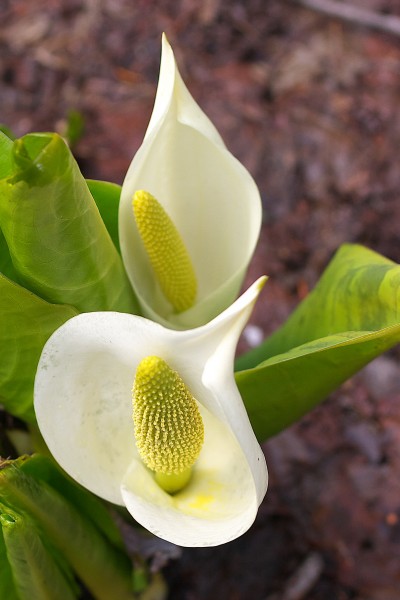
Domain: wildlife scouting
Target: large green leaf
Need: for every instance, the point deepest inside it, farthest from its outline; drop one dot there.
(57, 240)
(26, 322)
(107, 195)
(36, 572)
(6, 146)
(42, 468)
(6, 266)
(105, 569)
(7, 587)
(352, 316)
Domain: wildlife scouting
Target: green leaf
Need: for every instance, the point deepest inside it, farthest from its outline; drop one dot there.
(36, 573)
(43, 468)
(107, 195)
(57, 240)
(6, 266)
(26, 322)
(7, 587)
(104, 569)
(7, 131)
(351, 317)
(74, 127)
(6, 146)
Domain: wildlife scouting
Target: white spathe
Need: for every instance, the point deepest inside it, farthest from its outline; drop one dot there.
(210, 197)
(83, 404)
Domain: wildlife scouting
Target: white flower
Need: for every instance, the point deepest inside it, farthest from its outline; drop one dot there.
(208, 195)
(83, 403)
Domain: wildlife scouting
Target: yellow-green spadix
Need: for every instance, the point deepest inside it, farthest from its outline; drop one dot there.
(210, 199)
(83, 404)
(169, 430)
(166, 250)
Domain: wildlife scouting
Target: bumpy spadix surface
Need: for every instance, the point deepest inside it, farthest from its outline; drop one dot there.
(168, 255)
(169, 429)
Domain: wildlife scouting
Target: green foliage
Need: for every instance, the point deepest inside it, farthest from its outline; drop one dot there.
(26, 322)
(6, 146)
(43, 469)
(6, 266)
(75, 126)
(54, 243)
(59, 246)
(36, 572)
(352, 316)
(106, 195)
(45, 537)
(7, 587)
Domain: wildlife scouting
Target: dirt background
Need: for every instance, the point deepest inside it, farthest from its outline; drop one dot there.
(310, 104)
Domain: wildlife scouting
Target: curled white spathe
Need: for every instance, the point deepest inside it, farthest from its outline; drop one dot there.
(210, 197)
(84, 410)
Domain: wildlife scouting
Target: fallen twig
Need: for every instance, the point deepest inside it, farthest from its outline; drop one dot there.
(355, 14)
(302, 580)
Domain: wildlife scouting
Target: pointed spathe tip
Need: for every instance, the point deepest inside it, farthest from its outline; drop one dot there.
(166, 48)
(259, 284)
(254, 290)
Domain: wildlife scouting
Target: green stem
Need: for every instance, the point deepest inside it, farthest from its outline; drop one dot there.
(174, 482)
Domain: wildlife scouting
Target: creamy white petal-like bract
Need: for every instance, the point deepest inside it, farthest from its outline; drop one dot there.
(83, 404)
(210, 197)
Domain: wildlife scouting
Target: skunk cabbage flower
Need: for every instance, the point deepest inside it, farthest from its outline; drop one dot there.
(185, 193)
(187, 466)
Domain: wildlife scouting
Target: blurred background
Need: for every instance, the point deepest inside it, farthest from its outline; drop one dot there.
(308, 99)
